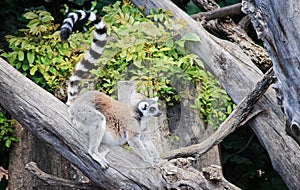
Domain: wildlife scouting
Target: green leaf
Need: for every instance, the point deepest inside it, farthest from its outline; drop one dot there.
(11, 57)
(30, 57)
(25, 67)
(61, 49)
(53, 70)
(33, 70)
(58, 60)
(20, 55)
(170, 43)
(123, 54)
(129, 57)
(47, 18)
(30, 15)
(8, 143)
(46, 61)
(180, 43)
(152, 11)
(18, 65)
(32, 23)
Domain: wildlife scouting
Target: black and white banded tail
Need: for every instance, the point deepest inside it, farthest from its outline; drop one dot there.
(84, 66)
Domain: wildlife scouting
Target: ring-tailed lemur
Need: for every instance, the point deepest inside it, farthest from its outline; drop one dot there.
(108, 121)
(85, 65)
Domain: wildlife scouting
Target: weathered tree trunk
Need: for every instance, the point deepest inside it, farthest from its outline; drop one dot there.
(48, 119)
(189, 127)
(30, 148)
(278, 25)
(238, 74)
(227, 29)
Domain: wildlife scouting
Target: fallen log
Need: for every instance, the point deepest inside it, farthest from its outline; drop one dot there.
(238, 75)
(48, 119)
(277, 24)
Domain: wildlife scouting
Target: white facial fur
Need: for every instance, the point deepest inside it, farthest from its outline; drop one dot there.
(149, 107)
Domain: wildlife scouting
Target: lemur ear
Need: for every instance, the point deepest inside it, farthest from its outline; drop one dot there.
(155, 98)
(143, 105)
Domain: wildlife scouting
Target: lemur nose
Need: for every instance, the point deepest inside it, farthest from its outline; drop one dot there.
(158, 114)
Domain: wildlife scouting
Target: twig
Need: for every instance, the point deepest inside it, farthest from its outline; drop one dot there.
(234, 120)
(219, 13)
(54, 180)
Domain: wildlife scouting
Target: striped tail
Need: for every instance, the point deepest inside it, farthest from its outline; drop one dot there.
(85, 65)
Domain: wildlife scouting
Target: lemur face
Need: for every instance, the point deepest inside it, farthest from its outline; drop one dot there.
(149, 107)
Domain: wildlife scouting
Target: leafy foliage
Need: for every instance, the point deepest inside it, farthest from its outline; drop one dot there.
(39, 55)
(151, 54)
(145, 51)
(213, 102)
(240, 168)
(7, 137)
(6, 132)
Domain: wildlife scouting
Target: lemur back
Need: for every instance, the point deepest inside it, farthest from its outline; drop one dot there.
(118, 115)
(84, 66)
(108, 121)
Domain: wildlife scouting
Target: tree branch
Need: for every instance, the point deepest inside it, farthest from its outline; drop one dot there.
(234, 120)
(280, 35)
(226, 28)
(47, 118)
(3, 173)
(219, 13)
(53, 180)
(244, 23)
(238, 75)
(188, 180)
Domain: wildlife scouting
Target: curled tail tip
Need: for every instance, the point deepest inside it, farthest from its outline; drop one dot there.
(65, 34)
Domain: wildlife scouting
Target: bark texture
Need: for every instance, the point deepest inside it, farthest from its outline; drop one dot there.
(189, 127)
(47, 118)
(30, 148)
(278, 24)
(238, 75)
(227, 29)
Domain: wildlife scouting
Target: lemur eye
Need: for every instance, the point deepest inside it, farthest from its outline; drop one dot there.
(152, 109)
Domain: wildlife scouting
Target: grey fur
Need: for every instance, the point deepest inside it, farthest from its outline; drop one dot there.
(114, 123)
(106, 120)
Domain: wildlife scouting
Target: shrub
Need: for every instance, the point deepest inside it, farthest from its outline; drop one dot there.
(39, 53)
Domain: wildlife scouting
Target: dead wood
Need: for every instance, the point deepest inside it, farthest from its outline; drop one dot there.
(227, 29)
(48, 119)
(277, 24)
(238, 117)
(219, 13)
(54, 180)
(238, 74)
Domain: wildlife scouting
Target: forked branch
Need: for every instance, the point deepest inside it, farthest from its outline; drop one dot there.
(47, 118)
(239, 116)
